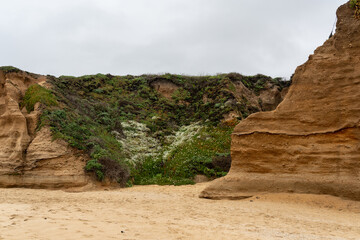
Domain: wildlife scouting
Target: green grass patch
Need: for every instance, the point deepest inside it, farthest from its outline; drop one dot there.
(36, 93)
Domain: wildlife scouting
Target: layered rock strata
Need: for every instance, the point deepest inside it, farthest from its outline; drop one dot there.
(311, 142)
(29, 158)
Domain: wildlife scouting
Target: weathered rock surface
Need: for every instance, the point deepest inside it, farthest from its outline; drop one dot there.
(165, 88)
(29, 158)
(311, 142)
(267, 100)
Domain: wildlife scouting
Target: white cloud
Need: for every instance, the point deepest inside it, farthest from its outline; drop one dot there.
(151, 36)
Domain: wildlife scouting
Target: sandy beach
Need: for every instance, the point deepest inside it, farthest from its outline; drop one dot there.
(169, 212)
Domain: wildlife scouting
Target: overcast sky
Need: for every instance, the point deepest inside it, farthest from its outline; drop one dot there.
(194, 37)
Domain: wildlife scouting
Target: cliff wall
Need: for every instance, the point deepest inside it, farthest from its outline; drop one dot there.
(311, 142)
(29, 158)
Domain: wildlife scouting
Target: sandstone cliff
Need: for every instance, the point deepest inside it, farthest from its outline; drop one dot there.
(29, 158)
(311, 142)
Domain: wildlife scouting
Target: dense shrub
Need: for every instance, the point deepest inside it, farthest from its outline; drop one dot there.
(222, 162)
(193, 157)
(92, 110)
(114, 171)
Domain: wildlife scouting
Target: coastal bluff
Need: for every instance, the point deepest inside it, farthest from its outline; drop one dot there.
(31, 158)
(311, 142)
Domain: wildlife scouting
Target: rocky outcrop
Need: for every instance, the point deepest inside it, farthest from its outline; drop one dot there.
(267, 99)
(165, 88)
(311, 142)
(29, 158)
(244, 99)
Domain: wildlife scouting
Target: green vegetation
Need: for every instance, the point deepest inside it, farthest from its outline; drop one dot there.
(183, 163)
(134, 135)
(8, 69)
(85, 134)
(36, 93)
(355, 4)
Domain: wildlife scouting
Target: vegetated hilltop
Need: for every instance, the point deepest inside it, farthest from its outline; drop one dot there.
(310, 143)
(149, 129)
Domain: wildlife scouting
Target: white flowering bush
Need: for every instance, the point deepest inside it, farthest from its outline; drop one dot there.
(184, 134)
(138, 143)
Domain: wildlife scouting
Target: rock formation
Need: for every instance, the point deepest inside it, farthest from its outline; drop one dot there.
(29, 158)
(311, 142)
(165, 88)
(267, 99)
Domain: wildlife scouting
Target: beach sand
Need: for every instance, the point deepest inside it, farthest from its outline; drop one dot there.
(169, 212)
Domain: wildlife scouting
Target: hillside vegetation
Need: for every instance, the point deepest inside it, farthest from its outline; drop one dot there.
(151, 129)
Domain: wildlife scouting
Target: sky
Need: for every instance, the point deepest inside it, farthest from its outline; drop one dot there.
(192, 37)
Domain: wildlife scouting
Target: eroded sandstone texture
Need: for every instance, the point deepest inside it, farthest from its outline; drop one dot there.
(29, 158)
(311, 142)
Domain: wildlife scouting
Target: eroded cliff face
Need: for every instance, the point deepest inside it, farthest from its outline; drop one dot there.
(29, 158)
(267, 99)
(311, 142)
(165, 88)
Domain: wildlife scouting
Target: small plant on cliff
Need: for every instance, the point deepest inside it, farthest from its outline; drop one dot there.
(355, 4)
(96, 167)
(36, 93)
(9, 69)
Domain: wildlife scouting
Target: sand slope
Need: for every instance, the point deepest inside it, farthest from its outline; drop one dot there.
(154, 212)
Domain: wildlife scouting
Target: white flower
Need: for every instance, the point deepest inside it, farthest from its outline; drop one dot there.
(139, 144)
(185, 133)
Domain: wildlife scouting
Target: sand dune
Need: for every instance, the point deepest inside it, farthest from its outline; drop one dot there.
(168, 212)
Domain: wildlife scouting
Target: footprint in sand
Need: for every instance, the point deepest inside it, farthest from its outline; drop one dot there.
(88, 235)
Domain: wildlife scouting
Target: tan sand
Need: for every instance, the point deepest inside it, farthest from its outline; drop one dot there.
(155, 212)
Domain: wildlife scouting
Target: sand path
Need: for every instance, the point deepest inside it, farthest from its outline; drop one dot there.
(155, 212)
